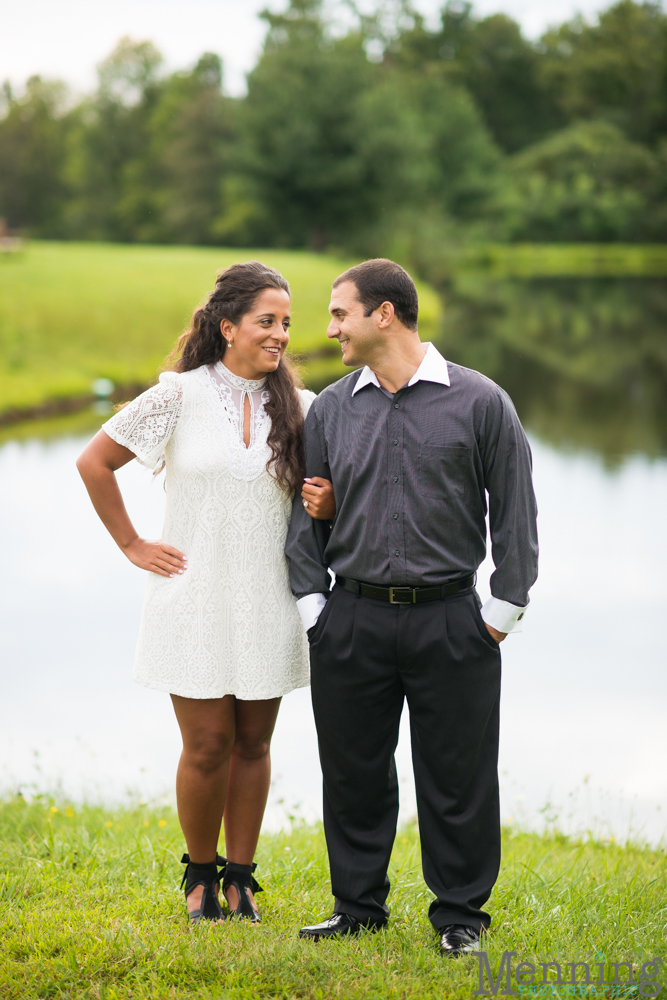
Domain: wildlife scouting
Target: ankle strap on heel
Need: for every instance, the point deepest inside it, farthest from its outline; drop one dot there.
(206, 874)
(241, 875)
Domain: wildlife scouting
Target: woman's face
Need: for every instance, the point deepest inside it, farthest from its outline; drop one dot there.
(257, 344)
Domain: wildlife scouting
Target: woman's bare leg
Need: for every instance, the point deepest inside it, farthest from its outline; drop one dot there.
(208, 729)
(249, 781)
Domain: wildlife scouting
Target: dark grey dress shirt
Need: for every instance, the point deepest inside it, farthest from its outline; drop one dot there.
(411, 474)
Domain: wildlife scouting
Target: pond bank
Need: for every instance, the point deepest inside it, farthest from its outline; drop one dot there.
(72, 313)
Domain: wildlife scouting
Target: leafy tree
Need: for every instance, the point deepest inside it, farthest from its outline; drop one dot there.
(109, 142)
(501, 71)
(588, 182)
(497, 66)
(390, 137)
(337, 143)
(302, 122)
(615, 69)
(173, 193)
(462, 157)
(32, 151)
(199, 150)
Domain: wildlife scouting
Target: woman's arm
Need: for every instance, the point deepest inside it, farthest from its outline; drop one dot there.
(318, 498)
(97, 465)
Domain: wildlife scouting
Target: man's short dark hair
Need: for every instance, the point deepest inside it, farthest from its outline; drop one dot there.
(382, 280)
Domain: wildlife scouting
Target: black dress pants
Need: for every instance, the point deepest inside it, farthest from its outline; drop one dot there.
(366, 657)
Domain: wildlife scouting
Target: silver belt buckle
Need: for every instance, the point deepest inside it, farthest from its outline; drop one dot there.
(405, 590)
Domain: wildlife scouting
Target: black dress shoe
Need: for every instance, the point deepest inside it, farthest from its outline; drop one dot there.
(455, 940)
(339, 925)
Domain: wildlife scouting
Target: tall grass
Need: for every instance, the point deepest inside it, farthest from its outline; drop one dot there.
(74, 312)
(90, 908)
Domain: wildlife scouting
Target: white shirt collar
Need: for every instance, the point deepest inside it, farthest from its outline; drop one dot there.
(432, 369)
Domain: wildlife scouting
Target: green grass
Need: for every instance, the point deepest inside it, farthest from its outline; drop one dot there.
(74, 312)
(560, 260)
(90, 908)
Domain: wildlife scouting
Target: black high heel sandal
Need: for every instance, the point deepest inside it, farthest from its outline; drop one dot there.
(208, 876)
(241, 878)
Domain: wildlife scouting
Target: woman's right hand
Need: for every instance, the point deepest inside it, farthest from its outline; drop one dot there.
(156, 557)
(97, 465)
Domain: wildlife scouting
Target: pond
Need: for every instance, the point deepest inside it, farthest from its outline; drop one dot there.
(583, 740)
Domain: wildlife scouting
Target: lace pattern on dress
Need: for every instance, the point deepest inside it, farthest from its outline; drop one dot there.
(245, 384)
(145, 425)
(229, 625)
(231, 390)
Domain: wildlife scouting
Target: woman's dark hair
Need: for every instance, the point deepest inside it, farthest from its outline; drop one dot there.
(235, 293)
(382, 280)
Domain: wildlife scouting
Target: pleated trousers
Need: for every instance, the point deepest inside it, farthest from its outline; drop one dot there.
(367, 658)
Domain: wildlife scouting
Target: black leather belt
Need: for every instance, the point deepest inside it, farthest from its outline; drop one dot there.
(407, 595)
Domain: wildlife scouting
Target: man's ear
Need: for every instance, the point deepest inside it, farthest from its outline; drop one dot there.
(386, 314)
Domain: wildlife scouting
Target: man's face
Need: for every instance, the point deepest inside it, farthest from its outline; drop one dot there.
(359, 336)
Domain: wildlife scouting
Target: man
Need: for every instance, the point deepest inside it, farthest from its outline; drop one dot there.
(412, 444)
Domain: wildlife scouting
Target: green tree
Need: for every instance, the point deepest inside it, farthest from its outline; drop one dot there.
(501, 71)
(33, 135)
(108, 144)
(615, 69)
(174, 191)
(588, 182)
(492, 60)
(337, 145)
(463, 160)
(391, 137)
(302, 123)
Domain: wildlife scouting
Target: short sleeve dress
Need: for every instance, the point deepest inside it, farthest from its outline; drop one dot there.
(228, 625)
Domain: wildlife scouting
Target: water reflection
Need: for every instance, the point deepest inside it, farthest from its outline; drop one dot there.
(585, 360)
(584, 687)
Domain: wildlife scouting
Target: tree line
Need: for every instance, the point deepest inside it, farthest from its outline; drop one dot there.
(387, 137)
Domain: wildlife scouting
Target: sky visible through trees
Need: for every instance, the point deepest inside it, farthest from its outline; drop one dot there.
(37, 35)
(391, 137)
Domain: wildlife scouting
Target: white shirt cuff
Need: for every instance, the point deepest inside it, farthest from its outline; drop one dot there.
(502, 615)
(310, 608)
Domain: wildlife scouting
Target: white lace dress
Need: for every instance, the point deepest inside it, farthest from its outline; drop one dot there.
(229, 624)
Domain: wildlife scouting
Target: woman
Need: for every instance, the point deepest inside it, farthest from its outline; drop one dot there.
(220, 630)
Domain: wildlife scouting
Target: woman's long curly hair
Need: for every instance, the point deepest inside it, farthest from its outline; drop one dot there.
(235, 293)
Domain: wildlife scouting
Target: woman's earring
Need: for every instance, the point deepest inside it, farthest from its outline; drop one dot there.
(229, 343)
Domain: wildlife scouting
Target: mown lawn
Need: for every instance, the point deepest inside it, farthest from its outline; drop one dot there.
(90, 908)
(74, 312)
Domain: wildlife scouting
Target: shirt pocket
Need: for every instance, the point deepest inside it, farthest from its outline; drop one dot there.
(442, 471)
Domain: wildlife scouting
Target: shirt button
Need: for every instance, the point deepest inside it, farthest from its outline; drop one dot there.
(397, 406)
(397, 552)
(395, 479)
(395, 516)
(394, 441)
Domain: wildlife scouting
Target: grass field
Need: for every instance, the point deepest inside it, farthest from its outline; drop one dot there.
(566, 260)
(91, 909)
(74, 312)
